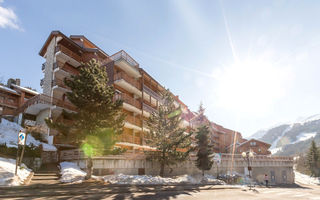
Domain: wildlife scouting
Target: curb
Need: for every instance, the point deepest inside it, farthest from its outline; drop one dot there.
(121, 190)
(22, 187)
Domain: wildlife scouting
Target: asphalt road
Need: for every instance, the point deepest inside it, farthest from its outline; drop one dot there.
(93, 191)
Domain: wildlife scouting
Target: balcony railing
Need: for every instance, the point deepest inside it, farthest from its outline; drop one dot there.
(129, 138)
(134, 120)
(44, 99)
(41, 82)
(123, 55)
(152, 93)
(12, 103)
(124, 76)
(128, 99)
(68, 52)
(43, 66)
(148, 108)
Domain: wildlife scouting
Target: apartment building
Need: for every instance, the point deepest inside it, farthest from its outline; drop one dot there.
(12, 96)
(139, 91)
(63, 56)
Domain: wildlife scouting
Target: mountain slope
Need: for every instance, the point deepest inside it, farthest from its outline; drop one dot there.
(294, 138)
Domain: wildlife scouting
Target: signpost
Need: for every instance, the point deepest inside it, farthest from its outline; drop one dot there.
(22, 138)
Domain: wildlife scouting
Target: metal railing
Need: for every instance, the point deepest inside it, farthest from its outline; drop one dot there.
(41, 82)
(43, 66)
(148, 108)
(128, 99)
(125, 56)
(124, 76)
(152, 93)
(68, 52)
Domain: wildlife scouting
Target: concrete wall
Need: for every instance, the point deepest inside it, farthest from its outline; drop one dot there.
(282, 171)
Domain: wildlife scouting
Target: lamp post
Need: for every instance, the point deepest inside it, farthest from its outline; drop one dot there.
(247, 156)
(1, 110)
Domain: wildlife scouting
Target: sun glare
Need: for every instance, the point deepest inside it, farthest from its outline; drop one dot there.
(251, 86)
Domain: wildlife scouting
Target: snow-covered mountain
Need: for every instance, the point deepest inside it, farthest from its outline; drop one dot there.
(291, 138)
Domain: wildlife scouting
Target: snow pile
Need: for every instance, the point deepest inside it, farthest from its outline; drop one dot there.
(9, 135)
(147, 179)
(305, 179)
(71, 173)
(7, 170)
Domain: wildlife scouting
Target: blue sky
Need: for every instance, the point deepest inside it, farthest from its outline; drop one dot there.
(252, 63)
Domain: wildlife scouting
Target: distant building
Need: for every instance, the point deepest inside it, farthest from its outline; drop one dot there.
(12, 96)
(256, 146)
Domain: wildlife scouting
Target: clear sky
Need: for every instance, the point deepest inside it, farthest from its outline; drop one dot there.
(253, 64)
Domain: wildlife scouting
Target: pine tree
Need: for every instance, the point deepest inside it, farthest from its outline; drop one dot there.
(98, 119)
(204, 149)
(172, 143)
(313, 159)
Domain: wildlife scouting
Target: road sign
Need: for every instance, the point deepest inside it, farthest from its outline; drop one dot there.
(22, 138)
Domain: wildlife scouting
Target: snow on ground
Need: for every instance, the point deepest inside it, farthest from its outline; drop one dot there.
(304, 136)
(7, 170)
(71, 173)
(146, 179)
(9, 135)
(305, 179)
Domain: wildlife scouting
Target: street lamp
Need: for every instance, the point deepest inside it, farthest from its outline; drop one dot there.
(247, 156)
(1, 110)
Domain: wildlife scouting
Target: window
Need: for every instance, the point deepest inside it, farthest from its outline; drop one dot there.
(10, 100)
(259, 150)
(253, 143)
(1, 99)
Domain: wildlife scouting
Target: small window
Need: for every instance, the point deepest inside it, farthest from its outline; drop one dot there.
(259, 150)
(253, 143)
(1, 99)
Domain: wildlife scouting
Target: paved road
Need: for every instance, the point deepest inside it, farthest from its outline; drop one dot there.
(94, 191)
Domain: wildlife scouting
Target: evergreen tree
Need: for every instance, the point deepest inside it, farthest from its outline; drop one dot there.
(204, 149)
(313, 159)
(172, 143)
(98, 119)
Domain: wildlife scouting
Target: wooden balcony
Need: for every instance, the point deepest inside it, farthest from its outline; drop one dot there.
(149, 108)
(134, 120)
(47, 100)
(128, 99)
(152, 93)
(130, 80)
(59, 83)
(66, 55)
(129, 138)
(9, 103)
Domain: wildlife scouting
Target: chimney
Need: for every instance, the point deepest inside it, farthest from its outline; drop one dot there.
(18, 81)
(10, 82)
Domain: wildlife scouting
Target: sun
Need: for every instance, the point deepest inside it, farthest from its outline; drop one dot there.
(251, 86)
